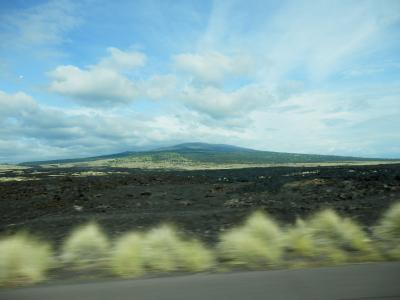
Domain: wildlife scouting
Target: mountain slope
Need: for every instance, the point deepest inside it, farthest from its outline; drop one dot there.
(202, 155)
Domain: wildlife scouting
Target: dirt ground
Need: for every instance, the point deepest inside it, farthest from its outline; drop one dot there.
(52, 201)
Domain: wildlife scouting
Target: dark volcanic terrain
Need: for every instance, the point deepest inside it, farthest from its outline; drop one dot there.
(201, 202)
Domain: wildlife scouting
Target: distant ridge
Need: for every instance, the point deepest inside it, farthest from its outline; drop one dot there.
(202, 147)
(201, 154)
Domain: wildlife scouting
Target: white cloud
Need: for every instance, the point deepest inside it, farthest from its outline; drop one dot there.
(102, 84)
(92, 87)
(119, 60)
(222, 104)
(41, 24)
(313, 39)
(17, 104)
(159, 86)
(212, 66)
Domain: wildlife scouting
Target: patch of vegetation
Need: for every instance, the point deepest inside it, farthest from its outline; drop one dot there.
(24, 260)
(166, 251)
(299, 240)
(86, 245)
(127, 255)
(256, 244)
(388, 232)
(335, 238)
(161, 249)
(259, 243)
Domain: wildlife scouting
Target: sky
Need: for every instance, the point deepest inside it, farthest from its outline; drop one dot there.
(85, 78)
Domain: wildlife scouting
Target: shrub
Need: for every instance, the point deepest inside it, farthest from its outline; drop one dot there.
(161, 249)
(24, 259)
(166, 250)
(388, 232)
(194, 256)
(86, 245)
(127, 258)
(336, 237)
(299, 240)
(255, 244)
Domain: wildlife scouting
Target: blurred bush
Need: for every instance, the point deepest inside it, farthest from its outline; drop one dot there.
(299, 240)
(166, 250)
(387, 232)
(335, 238)
(195, 257)
(24, 259)
(86, 245)
(161, 249)
(127, 256)
(256, 244)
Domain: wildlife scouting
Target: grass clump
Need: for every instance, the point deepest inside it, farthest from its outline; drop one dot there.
(255, 244)
(24, 259)
(337, 238)
(85, 246)
(299, 240)
(388, 232)
(166, 251)
(195, 257)
(127, 257)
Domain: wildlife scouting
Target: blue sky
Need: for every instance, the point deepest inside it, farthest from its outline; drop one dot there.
(82, 78)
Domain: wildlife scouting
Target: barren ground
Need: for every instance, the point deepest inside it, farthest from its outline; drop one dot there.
(53, 201)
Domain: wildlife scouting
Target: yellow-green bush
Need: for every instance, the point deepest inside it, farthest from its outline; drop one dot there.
(194, 256)
(127, 257)
(388, 232)
(299, 240)
(161, 249)
(23, 259)
(166, 251)
(336, 238)
(87, 244)
(255, 244)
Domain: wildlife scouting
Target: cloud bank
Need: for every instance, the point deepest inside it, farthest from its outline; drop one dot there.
(308, 77)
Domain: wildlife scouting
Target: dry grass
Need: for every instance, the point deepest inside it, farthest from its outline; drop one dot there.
(324, 238)
(339, 239)
(23, 260)
(195, 257)
(127, 255)
(388, 232)
(299, 240)
(256, 244)
(161, 249)
(167, 251)
(86, 245)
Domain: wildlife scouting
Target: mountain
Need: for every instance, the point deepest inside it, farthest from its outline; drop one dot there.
(202, 155)
(201, 147)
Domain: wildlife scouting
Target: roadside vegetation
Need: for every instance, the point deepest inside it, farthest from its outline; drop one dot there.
(85, 246)
(24, 260)
(258, 243)
(324, 238)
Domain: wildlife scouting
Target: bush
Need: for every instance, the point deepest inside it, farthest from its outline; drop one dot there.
(195, 257)
(388, 232)
(166, 251)
(86, 245)
(161, 249)
(299, 240)
(255, 244)
(23, 259)
(127, 258)
(336, 237)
